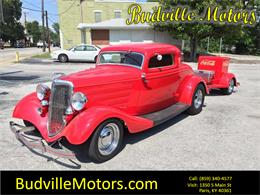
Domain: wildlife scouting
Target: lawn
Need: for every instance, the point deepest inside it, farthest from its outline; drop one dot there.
(45, 55)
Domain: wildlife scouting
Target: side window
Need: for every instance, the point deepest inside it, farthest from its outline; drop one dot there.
(80, 48)
(167, 60)
(90, 48)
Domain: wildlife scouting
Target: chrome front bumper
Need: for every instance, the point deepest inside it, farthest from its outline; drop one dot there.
(33, 142)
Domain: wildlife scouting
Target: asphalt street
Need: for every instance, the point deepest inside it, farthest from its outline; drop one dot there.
(224, 136)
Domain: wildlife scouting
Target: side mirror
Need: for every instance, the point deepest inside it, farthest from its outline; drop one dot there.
(159, 57)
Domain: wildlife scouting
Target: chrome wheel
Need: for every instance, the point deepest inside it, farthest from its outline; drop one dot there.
(198, 99)
(231, 86)
(108, 139)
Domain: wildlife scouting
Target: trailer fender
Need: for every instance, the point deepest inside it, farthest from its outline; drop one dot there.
(188, 87)
(225, 79)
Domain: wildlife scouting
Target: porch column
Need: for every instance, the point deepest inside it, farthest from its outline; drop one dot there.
(83, 36)
(61, 40)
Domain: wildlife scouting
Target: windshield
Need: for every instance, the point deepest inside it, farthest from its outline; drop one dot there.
(125, 58)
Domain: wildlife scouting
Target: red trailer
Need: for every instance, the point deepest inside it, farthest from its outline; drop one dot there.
(214, 70)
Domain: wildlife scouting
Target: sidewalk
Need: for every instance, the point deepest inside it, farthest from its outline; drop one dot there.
(241, 59)
(8, 56)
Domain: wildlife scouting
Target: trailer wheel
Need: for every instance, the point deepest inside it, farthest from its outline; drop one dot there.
(197, 100)
(106, 141)
(229, 90)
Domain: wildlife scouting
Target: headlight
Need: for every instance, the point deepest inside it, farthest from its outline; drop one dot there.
(42, 91)
(78, 101)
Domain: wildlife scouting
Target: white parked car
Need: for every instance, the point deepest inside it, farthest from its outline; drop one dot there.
(40, 44)
(81, 52)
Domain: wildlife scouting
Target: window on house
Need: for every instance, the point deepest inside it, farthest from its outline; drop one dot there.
(167, 60)
(98, 17)
(117, 14)
(70, 41)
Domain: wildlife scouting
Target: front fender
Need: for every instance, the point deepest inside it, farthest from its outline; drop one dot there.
(187, 88)
(27, 109)
(83, 125)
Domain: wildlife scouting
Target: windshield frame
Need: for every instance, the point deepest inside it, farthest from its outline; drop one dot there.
(139, 67)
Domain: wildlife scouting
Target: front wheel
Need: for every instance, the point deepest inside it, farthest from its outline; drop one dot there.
(106, 141)
(230, 89)
(63, 58)
(197, 100)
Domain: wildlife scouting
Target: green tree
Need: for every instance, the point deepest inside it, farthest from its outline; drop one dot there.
(197, 31)
(55, 35)
(34, 30)
(11, 29)
(56, 28)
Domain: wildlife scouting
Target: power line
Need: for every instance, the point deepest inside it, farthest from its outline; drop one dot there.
(35, 10)
(31, 4)
(68, 8)
(51, 20)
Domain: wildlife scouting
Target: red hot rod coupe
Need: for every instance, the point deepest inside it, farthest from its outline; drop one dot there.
(132, 88)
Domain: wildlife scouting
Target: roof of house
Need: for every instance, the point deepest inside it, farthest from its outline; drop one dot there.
(117, 23)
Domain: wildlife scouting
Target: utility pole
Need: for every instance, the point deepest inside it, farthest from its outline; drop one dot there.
(1, 12)
(208, 45)
(48, 32)
(220, 45)
(24, 17)
(43, 29)
(1, 18)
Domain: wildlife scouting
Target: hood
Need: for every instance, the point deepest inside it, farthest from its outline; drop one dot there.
(103, 74)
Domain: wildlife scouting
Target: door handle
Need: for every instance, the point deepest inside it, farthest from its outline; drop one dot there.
(143, 76)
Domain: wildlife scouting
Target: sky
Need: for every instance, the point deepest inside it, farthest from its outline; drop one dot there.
(49, 5)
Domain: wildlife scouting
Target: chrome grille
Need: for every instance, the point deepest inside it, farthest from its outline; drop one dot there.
(61, 92)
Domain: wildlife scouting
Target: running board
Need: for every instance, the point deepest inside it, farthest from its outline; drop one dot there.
(166, 114)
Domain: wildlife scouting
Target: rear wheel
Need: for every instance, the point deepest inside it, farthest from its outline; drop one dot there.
(229, 90)
(197, 100)
(106, 141)
(63, 58)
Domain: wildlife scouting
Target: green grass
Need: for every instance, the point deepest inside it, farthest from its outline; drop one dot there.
(45, 55)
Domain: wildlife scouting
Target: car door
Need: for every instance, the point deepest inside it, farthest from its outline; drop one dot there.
(90, 52)
(160, 83)
(78, 53)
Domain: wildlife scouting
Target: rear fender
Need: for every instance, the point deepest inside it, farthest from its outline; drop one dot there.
(187, 88)
(84, 124)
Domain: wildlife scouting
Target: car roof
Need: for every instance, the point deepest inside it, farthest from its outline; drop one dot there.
(141, 47)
